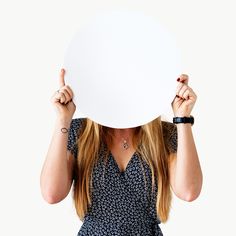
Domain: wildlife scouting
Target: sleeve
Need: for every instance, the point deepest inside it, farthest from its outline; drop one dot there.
(74, 130)
(170, 136)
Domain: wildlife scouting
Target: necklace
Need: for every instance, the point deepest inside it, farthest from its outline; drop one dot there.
(125, 144)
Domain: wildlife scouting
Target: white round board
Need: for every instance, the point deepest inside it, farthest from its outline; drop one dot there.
(122, 67)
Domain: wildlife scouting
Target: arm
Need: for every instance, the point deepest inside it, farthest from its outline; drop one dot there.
(56, 174)
(185, 170)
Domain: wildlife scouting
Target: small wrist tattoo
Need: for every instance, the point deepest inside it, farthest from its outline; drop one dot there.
(64, 130)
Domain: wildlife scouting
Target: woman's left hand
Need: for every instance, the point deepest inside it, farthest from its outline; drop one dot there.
(185, 99)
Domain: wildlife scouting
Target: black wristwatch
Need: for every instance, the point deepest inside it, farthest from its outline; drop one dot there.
(185, 119)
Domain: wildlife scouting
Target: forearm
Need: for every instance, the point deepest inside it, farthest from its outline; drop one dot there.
(55, 174)
(188, 174)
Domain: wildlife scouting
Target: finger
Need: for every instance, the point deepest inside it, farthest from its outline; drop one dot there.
(69, 90)
(61, 79)
(176, 99)
(59, 97)
(56, 97)
(66, 94)
(62, 98)
(192, 95)
(182, 91)
(186, 94)
(184, 78)
(179, 87)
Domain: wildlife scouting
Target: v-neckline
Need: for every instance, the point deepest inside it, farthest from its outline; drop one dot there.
(114, 160)
(117, 166)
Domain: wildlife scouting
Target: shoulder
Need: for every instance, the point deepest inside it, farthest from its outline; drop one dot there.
(168, 128)
(170, 136)
(76, 126)
(77, 123)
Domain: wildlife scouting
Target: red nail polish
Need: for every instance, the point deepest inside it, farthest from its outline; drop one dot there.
(178, 79)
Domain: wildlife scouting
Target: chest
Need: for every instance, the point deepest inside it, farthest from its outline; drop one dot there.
(120, 155)
(132, 186)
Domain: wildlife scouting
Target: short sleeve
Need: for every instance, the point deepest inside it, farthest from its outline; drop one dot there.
(170, 136)
(74, 131)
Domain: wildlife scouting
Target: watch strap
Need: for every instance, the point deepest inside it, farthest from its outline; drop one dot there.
(184, 119)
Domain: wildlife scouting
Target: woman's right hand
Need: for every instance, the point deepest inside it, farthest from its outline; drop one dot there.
(62, 99)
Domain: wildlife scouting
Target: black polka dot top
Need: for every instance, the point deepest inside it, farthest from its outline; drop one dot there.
(122, 202)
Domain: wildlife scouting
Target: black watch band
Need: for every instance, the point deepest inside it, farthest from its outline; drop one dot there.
(185, 119)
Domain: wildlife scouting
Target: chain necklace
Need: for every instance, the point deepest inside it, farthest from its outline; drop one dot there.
(124, 144)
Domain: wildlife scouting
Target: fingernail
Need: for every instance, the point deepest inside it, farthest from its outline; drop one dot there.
(178, 79)
(177, 96)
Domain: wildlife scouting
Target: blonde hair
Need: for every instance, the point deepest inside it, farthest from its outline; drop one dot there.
(149, 143)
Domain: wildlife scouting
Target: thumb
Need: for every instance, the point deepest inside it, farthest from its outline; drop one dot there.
(184, 78)
(62, 80)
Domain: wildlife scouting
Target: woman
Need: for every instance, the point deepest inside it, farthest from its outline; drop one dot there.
(122, 178)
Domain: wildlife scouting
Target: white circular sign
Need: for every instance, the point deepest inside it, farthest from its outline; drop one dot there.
(122, 67)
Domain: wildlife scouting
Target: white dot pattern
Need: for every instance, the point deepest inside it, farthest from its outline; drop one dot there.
(122, 204)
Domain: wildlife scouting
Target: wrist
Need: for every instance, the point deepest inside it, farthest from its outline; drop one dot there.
(182, 115)
(63, 122)
(179, 125)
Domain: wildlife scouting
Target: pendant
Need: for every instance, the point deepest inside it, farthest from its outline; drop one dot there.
(125, 144)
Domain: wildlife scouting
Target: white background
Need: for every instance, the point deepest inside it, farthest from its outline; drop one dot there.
(34, 35)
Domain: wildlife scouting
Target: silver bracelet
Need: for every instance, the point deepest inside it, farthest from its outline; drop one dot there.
(64, 130)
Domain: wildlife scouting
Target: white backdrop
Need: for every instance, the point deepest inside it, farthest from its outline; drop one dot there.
(34, 35)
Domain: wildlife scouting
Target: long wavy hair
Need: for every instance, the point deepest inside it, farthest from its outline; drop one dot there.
(148, 141)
